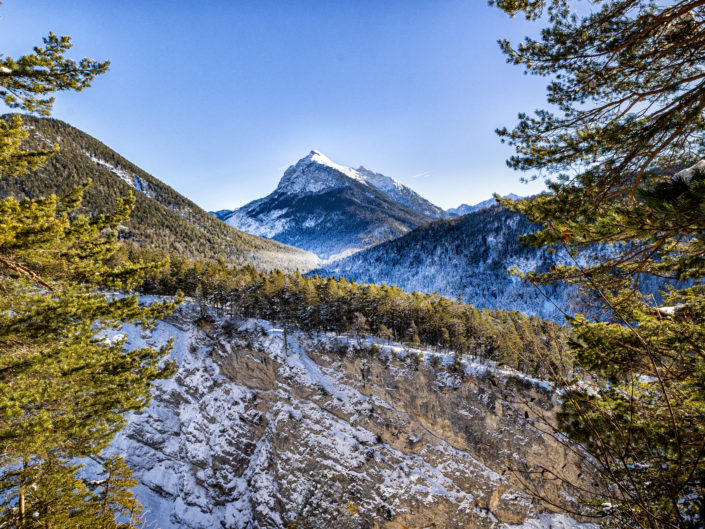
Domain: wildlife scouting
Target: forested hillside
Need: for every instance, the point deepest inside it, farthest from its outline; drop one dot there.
(324, 304)
(468, 257)
(465, 258)
(162, 218)
(414, 384)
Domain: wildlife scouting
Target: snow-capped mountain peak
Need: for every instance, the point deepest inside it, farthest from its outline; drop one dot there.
(333, 209)
(315, 173)
(321, 159)
(380, 181)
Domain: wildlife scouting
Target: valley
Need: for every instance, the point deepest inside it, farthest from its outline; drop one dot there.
(401, 381)
(298, 398)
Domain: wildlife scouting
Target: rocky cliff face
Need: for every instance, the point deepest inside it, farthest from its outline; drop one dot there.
(263, 430)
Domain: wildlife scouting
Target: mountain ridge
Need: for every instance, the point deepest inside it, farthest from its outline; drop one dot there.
(401, 193)
(465, 209)
(162, 218)
(466, 257)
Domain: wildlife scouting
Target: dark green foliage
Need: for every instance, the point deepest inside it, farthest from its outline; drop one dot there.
(64, 387)
(26, 81)
(629, 92)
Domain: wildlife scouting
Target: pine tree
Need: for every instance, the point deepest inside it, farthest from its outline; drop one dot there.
(115, 504)
(25, 82)
(66, 379)
(360, 326)
(629, 97)
(64, 386)
(385, 333)
(52, 497)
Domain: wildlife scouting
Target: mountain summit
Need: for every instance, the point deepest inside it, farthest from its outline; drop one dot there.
(464, 209)
(316, 173)
(333, 210)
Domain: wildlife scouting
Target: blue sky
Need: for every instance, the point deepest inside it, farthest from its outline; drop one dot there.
(217, 98)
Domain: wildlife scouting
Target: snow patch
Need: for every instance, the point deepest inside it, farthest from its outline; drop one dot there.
(552, 521)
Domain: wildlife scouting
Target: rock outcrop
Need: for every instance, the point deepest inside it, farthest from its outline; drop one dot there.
(263, 430)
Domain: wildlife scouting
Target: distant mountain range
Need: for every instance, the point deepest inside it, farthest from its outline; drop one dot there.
(333, 210)
(370, 228)
(464, 209)
(162, 218)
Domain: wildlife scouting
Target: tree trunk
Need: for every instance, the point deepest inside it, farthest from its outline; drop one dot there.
(22, 506)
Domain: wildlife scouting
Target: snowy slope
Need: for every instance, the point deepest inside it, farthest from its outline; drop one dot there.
(333, 210)
(401, 193)
(466, 257)
(250, 431)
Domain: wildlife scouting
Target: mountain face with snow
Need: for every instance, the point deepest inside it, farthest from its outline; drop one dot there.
(466, 257)
(259, 431)
(333, 210)
(401, 193)
(464, 209)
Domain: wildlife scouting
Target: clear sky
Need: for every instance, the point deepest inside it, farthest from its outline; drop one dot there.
(216, 98)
